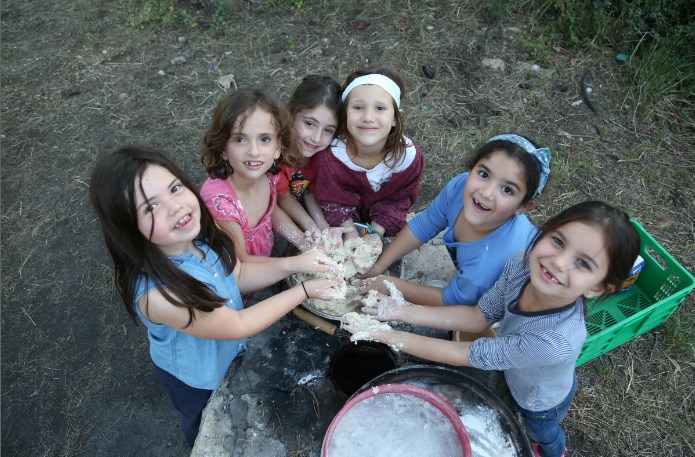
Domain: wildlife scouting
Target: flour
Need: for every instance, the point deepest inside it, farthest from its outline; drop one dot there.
(394, 292)
(371, 299)
(485, 431)
(394, 425)
(362, 324)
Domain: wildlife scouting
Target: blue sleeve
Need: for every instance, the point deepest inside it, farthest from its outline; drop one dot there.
(464, 290)
(427, 224)
(477, 272)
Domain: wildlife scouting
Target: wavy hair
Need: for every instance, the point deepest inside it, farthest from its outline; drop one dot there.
(236, 108)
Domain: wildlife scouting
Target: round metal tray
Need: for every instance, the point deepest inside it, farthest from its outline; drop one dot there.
(394, 270)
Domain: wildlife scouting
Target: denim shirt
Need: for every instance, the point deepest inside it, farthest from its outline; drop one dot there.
(198, 362)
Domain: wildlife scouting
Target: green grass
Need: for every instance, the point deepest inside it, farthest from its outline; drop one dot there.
(680, 334)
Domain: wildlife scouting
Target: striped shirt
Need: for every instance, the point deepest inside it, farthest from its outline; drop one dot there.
(536, 350)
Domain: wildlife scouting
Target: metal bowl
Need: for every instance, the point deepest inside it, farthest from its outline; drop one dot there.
(394, 270)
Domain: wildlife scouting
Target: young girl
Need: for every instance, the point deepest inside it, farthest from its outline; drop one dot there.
(372, 173)
(482, 213)
(249, 130)
(585, 251)
(313, 107)
(178, 273)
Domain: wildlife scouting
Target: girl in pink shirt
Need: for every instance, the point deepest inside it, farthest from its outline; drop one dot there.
(249, 130)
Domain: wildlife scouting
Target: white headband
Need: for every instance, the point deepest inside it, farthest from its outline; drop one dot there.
(376, 79)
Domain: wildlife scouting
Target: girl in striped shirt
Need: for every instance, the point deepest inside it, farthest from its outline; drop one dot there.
(584, 252)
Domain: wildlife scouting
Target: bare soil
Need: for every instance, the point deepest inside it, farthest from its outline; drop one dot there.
(78, 81)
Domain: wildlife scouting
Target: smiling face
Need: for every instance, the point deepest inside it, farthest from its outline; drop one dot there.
(370, 117)
(494, 192)
(315, 128)
(253, 146)
(570, 262)
(168, 212)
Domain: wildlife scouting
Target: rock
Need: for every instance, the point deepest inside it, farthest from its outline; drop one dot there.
(179, 60)
(429, 72)
(494, 64)
(226, 81)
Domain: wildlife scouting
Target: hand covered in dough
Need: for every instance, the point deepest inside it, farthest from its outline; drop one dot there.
(365, 285)
(387, 308)
(374, 240)
(312, 240)
(333, 236)
(314, 261)
(325, 289)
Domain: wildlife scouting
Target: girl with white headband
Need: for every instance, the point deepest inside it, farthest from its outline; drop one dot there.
(482, 214)
(371, 173)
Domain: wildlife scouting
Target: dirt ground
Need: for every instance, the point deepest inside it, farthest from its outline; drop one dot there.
(78, 81)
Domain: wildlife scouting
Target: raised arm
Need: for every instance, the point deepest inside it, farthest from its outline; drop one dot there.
(315, 211)
(225, 323)
(284, 226)
(463, 318)
(418, 294)
(296, 212)
(404, 243)
(253, 276)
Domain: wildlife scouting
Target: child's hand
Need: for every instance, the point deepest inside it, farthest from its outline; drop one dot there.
(325, 289)
(365, 285)
(375, 240)
(387, 309)
(334, 236)
(312, 240)
(314, 261)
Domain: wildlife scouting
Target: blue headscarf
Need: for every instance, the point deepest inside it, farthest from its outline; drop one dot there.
(541, 154)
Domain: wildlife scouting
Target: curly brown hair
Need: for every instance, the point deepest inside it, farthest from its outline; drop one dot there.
(237, 107)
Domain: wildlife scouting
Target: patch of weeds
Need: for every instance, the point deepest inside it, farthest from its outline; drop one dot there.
(159, 14)
(663, 82)
(220, 17)
(604, 371)
(92, 38)
(538, 40)
(679, 427)
(283, 5)
(680, 335)
(496, 10)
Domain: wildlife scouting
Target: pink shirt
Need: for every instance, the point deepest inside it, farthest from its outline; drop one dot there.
(223, 203)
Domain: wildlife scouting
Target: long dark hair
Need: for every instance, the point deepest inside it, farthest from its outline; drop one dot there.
(622, 242)
(530, 165)
(115, 180)
(395, 143)
(313, 91)
(236, 107)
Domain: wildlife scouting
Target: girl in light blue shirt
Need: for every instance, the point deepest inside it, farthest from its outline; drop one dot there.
(178, 274)
(482, 215)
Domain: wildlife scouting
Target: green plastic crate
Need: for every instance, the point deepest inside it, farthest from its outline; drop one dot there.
(657, 293)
